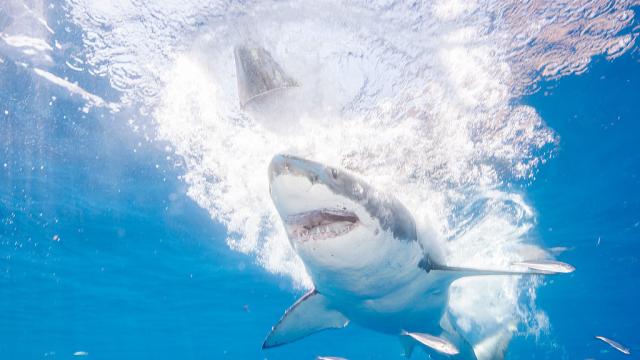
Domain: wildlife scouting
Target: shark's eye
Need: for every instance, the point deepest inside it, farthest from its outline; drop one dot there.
(334, 173)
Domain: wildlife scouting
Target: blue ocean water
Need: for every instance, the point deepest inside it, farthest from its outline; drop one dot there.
(102, 251)
(587, 198)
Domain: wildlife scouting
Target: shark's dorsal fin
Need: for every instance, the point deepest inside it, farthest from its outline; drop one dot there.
(307, 316)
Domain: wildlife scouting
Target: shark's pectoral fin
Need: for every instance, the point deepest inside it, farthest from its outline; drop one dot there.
(308, 315)
(536, 267)
(439, 344)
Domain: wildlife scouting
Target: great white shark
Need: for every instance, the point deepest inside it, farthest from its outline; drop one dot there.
(362, 251)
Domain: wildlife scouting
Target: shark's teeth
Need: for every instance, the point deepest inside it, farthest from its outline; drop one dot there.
(322, 232)
(320, 224)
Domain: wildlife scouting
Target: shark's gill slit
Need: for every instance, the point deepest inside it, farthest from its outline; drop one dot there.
(320, 224)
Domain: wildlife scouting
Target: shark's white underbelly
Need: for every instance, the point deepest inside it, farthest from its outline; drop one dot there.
(417, 307)
(391, 296)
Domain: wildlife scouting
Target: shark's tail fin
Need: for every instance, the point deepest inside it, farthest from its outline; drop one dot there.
(493, 346)
(258, 74)
(490, 345)
(534, 267)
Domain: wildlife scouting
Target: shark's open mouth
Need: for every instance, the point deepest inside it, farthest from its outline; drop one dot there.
(320, 224)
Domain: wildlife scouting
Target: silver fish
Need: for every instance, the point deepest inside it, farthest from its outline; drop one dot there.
(616, 345)
(436, 343)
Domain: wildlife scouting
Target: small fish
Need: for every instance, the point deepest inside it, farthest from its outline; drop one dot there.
(551, 266)
(558, 250)
(623, 349)
(80, 353)
(330, 358)
(436, 343)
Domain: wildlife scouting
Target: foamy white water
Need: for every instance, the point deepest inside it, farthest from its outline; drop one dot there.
(417, 99)
(24, 32)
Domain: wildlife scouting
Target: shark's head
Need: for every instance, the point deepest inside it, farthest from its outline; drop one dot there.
(332, 218)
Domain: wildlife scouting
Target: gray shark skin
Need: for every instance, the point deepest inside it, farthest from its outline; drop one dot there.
(360, 247)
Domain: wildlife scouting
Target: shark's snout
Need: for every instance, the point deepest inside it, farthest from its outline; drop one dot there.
(282, 165)
(277, 167)
(300, 186)
(308, 205)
